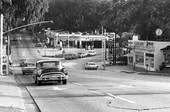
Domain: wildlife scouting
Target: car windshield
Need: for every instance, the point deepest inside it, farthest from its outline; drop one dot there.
(30, 65)
(92, 63)
(22, 60)
(91, 51)
(48, 64)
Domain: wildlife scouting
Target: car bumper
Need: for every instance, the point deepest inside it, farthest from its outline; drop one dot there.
(45, 79)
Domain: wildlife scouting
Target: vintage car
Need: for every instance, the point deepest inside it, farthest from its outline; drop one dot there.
(23, 63)
(28, 69)
(91, 53)
(50, 70)
(70, 56)
(81, 55)
(91, 65)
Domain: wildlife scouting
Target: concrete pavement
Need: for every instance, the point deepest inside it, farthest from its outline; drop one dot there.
(10, 98)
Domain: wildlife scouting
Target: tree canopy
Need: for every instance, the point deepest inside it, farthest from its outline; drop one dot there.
(19, 12)
(141, 17)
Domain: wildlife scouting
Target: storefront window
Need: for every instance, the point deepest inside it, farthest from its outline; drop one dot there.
(167, 60)
(140, 58)
(150, 60)
(130, 59)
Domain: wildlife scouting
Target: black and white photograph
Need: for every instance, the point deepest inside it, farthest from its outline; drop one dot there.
(84, 55)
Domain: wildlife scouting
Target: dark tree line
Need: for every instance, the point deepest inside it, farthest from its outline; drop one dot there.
(141, 17)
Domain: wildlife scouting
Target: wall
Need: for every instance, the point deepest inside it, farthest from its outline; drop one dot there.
(159, 57)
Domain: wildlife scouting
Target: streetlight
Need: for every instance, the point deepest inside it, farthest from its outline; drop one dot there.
(104, 48)
(1, 38)
(68, 45)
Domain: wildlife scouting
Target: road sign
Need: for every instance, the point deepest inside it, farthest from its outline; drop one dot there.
(158, 32)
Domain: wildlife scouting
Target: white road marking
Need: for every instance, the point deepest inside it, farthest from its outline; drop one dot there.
(59, 89)
(110, 98)
(78, 84)
(111, 95)
(97, 92)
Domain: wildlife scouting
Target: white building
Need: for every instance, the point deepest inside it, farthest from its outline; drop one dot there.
(75, 40)
(146, 54)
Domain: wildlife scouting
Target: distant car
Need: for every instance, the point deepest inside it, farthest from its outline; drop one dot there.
(81, 55)
(74, 56)
(70, 56)
(91, 65)
(23, 63)
(40, 45)
(28, 69)
(91, 53)
(14, 38)
(50, 70)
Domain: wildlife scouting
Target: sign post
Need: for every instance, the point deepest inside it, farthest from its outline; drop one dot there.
(1, 45)
(158, 33)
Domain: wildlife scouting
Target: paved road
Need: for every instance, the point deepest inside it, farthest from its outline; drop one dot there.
(94, 91)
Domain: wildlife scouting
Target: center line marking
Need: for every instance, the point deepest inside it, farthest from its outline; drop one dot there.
(97, 92)
(111, 95)
(78, 84)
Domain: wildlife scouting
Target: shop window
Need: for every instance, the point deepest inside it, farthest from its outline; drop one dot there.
(168, 60)
(150, 60)
(140, 58)
(130, 59)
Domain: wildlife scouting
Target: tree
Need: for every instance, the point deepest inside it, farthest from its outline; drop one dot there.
(17, 11)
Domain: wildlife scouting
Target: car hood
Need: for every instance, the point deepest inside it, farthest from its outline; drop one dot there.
(47, 70)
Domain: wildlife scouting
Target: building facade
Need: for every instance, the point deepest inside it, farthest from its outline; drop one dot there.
(146, 54)
(74, 40)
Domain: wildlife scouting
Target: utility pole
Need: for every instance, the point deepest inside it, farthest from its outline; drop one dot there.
(8, 45)
(103, 49)
(1, 44)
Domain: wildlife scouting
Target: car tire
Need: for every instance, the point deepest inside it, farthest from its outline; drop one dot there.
(64, 81)
(23, 73)
(37, 81)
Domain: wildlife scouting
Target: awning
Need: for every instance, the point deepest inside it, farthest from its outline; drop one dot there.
(166, 48)
(129, 55)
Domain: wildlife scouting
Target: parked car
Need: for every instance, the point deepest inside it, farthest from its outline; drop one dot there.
(70, 56)
(91, 65)
(40, 45)
(81, 55)
(91, 53)
(28, 69)
(50, 70)
(14, 38)
(23, 63)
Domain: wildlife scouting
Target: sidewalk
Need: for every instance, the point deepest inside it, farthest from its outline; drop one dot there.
(131, 70)
(10, 100)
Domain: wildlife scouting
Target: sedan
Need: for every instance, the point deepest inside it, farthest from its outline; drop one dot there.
(50, 70)
(28, 69)
(81, 55)
(91, 65)
(23, 63)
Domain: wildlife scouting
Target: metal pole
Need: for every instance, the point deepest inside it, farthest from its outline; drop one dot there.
(28, 25)
(68, 44)
(8, 44)
(104, 58)
(103, 48)
(1, 44)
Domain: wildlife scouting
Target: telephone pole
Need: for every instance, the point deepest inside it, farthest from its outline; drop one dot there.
(1, 44)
